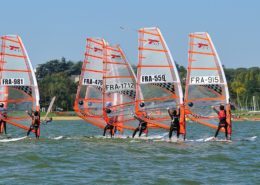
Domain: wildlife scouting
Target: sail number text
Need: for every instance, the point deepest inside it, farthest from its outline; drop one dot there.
(89, 81)
(153, 78)
(204, 80)
(120, 86)
(12, 81)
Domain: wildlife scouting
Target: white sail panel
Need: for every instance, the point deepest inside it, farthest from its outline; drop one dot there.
(119, 86)
(206, 84)
(157, 77)
(88, 102)
(18, 85)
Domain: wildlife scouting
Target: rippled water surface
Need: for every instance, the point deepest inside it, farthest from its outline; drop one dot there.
(68, 154)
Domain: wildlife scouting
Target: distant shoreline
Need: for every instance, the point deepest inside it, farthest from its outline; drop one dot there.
(246, 119)
(66, 118)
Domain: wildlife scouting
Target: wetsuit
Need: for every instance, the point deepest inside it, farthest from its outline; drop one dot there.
(48, 121)
(115, 129)
(3, 116)
(110, 126)
(222, 122)
(141, 127)
(35, 126)
(175, 124)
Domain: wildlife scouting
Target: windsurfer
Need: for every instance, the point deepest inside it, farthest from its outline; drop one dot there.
(175, 122)
(3, 115)
(110, 125)
(222, 120)
(48, 120)
(35, 123)
(142, 127)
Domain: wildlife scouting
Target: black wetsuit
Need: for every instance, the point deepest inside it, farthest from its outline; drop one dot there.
(141, 128)
(35, 126)
(175, 125)
(110, 127)
(222, 123)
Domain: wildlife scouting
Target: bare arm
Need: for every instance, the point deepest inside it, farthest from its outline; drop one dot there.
(169, 112)
(30, 114)
(139, 119)
(178, 112)
(215, 110)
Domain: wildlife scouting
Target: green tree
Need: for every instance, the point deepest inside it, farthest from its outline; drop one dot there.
(239, 88)
(61, 86)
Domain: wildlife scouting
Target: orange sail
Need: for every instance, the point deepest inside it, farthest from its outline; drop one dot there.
(89, 99)
(18, 85)
(157, 79)
(119, 87)
(206, 84)
(106, 87)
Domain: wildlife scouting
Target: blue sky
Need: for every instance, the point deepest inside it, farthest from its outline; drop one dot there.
(54, 29)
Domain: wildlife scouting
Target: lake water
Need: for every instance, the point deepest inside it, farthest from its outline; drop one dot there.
(67, 154)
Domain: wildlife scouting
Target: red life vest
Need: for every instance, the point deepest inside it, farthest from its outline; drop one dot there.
(222, 114)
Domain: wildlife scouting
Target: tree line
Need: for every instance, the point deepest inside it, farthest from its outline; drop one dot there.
(57, 78)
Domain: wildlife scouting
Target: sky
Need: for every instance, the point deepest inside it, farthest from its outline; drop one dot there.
(53, 29)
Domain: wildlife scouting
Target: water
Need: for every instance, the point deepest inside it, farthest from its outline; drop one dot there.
(66, 155)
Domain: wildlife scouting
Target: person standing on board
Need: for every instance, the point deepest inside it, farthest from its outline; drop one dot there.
(35, 123)
(142, 127)
(175, 122)
(222, 116)
(3, 115)
(110, 125)
(109, 120)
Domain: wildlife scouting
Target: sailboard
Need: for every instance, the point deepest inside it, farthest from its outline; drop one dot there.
(206, 84)
(12, 139)
(106, 87)
(18, 86)
(158, 80)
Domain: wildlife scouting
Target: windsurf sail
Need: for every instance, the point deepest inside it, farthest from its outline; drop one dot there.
(49, 108)
(119, 88)
(18, 85)
(157, 79)
(107, 85)
(206, 84)
(89, 99)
